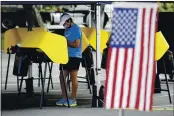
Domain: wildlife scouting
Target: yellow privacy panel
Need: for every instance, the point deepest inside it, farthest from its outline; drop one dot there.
(11, 38)
(87, 31)
(85, 42)
(104, 36)
(53, 45)
(90, 33)
(161, 46)
(22, 31)
(16, 35)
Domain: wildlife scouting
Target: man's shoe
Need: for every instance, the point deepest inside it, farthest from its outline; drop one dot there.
(71, 103)
(60, 102)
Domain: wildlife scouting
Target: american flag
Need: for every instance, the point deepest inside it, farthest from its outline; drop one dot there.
(130, 71)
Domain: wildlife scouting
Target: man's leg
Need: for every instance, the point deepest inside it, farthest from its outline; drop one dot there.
(61, 76)
(73, 75)
(62, 101)
(72, 101)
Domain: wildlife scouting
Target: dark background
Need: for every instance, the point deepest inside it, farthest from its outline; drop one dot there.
(166, 26)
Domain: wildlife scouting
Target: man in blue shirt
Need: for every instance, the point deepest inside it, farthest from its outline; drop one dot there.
(73, 35)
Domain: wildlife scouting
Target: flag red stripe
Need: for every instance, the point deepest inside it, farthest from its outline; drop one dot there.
(124, 73)
(154, 66)
(107, 71)
(141, 59)
(115, 78)
(150, 21)
(130, 79)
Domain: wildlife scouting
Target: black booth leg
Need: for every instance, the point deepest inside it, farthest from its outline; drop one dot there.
(50, 77)
(42, 82)
(20, 86)
(94, 97)
(88, 81)
(87, 76)
(167, 82)
(45, 71)
(48, 85)
(89, 86)
(18, 83)
(101, 97)
(168, 89)
(51, 82)
(7, 71)
(39, 80)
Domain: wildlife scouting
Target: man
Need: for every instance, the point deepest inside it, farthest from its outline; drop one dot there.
(73, 35)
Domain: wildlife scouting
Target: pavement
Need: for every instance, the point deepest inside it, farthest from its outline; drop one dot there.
(54, 111)
(11, 105)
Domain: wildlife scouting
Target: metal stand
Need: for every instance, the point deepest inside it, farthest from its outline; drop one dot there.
(166, 83)
(20, 86)
(17, 83)
(50, 76)
(95, 98)
(7, 71)
(45, 71)
(165, 58)
(86, 77)
(42, 82)
(121, 112)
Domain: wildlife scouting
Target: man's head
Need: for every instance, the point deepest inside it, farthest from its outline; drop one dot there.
(66, 20)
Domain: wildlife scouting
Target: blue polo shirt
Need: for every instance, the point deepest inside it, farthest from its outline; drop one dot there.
(71, 35)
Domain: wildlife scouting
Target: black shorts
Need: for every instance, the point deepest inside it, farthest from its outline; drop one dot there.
(73, 64)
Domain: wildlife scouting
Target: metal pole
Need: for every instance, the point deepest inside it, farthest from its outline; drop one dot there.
(98, 38)
(7, 71)
(98, 48)
(89, 16)
(120, 112)
(30, 70)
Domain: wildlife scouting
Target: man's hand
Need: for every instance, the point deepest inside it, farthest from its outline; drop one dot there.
(75, 44)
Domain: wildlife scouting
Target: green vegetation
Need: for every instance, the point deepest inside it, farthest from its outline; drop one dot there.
(163, 7)
(51, 8)
(166, 7)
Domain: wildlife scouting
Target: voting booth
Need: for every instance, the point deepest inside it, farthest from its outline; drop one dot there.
(36, 46)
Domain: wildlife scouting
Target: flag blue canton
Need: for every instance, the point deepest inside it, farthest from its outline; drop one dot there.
(124, 26)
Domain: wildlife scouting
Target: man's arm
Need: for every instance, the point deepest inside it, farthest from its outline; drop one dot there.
(74, 44)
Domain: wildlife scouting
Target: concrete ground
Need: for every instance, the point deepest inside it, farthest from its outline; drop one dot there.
(54, 111)
(29, 106)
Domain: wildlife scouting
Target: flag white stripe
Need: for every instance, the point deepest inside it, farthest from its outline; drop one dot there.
(119, 77)
(151, 60)
(127, 78)
(134, 83)
(145, 56)
(110, 78)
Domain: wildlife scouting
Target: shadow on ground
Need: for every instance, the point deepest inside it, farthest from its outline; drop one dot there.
(11, 101)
